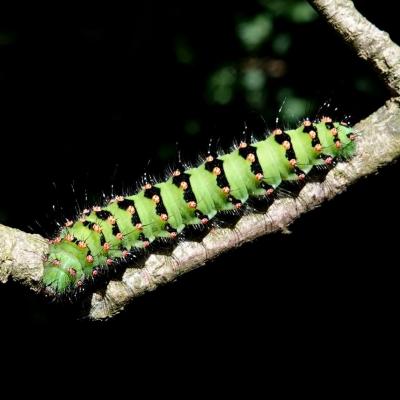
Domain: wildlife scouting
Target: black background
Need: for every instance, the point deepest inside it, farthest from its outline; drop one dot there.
(84, 90)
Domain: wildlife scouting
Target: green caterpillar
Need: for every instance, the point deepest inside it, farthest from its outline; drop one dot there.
(107, 234)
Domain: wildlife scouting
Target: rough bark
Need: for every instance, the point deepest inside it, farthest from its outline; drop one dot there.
(370, 43)
(21, 254)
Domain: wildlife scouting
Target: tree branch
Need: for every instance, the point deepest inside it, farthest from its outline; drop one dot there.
(370, 43)
(378, 145)
(21, 254)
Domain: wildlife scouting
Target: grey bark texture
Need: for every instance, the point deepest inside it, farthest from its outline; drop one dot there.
(22, 254)
(370, 43)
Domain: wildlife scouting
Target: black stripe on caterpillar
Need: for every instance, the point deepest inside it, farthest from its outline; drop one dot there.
(103, 235)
